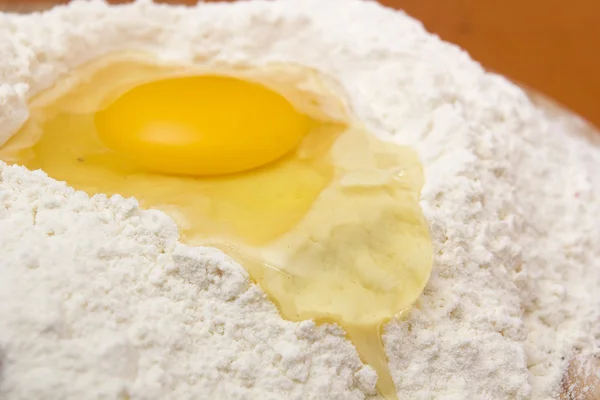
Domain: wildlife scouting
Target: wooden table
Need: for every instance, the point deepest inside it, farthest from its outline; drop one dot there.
(552, 46)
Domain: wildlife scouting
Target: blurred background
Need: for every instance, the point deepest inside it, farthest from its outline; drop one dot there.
(551, 46)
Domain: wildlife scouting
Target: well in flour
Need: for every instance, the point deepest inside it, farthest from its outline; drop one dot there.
(332, 230)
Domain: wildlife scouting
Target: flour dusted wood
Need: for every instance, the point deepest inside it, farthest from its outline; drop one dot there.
(98, 300)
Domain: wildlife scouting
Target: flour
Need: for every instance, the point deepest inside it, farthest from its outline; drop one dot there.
(98, 299)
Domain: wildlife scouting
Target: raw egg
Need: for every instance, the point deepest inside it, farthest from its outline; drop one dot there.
(201, 125)
(266, 164)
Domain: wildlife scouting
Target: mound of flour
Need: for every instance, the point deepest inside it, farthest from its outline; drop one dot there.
(98, 300)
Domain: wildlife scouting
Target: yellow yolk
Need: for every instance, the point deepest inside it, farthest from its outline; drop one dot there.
(323, 216)
(201, 125)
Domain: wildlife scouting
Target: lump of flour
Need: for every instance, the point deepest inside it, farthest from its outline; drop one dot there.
(99, 300)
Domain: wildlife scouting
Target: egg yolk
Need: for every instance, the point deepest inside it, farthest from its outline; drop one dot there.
(323, 216)
(201, 125)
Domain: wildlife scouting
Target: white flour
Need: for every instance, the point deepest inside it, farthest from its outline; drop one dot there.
(99, 301)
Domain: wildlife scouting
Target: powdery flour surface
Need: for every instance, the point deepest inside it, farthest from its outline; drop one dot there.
(99, 301)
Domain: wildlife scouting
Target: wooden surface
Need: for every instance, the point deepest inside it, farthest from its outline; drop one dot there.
(552, 46)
